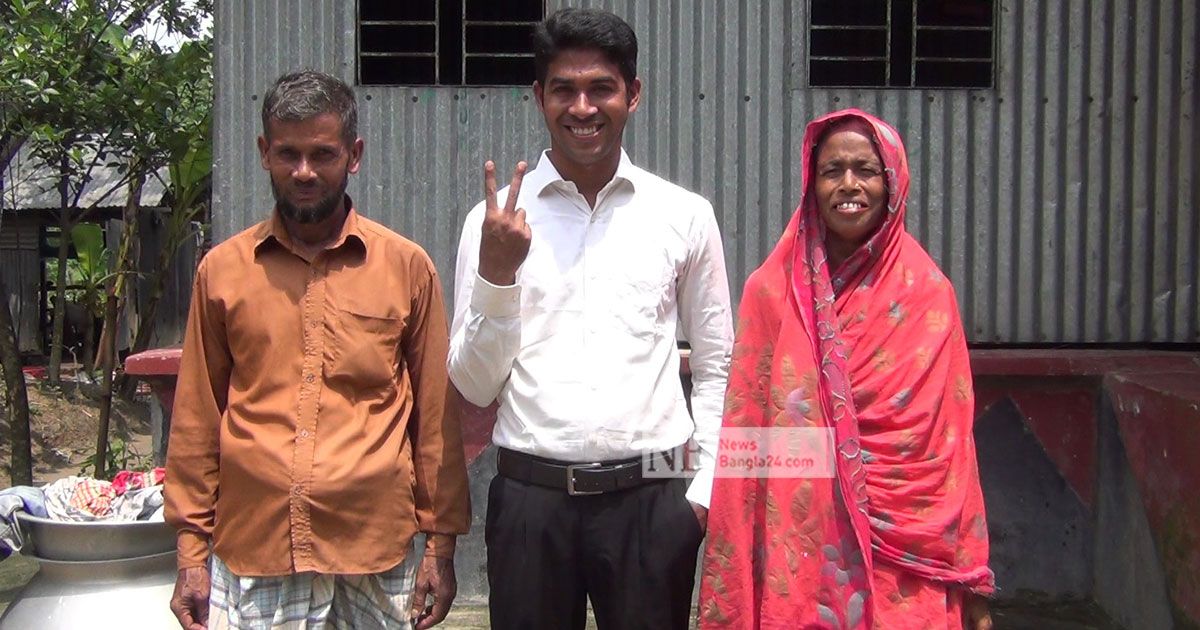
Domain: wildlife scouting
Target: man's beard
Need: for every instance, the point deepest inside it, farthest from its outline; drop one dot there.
(313, 213)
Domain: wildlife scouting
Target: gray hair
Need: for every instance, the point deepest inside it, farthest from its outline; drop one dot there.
(308, 93)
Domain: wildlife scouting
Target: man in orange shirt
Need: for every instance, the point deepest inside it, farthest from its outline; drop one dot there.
(314, 431)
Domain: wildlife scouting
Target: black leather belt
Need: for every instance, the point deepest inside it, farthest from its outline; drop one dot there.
(577, 479)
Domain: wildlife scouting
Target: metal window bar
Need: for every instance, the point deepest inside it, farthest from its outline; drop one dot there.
(830, 27)
(395, 55)
(955, 59)
(462, 41)
(358, 42)
(496, 23)
(912, 52)
(362, 23)
(854, 59)
(916, 31)
(464, 56)
(991, 58)
(887, 50)
(847, 27)
(388, 55)
(954, 28)
(437, 42)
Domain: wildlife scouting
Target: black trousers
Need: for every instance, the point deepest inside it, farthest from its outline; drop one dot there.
(631, 552)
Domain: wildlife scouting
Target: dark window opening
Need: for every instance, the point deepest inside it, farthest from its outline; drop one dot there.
(446, 42)
(902, 43)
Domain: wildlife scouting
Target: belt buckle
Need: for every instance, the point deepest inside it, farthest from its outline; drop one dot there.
(571, 468)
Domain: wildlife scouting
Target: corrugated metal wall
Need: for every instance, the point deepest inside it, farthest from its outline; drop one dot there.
(20, 270)
(20, 274)
(1063, 203)
(170, 318)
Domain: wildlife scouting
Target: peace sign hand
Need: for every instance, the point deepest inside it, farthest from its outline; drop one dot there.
(504, 243)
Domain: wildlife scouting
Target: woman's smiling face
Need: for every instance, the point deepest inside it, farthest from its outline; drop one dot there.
(851, 189)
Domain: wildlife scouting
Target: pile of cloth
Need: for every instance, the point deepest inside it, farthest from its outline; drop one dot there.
(130, 496)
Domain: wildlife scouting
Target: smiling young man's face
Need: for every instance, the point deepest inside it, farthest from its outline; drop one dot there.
(586, 102)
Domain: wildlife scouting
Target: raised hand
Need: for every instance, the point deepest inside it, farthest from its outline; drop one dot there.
(504, 243)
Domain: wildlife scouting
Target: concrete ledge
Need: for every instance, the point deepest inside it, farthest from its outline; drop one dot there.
(1100, 449)
(1158, 421)
(1052, 362)
(158, 362)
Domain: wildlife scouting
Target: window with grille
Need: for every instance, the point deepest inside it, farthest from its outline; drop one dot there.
(446, 42)
(901, 43)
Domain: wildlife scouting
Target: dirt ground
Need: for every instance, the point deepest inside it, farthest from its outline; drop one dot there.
(64, 425)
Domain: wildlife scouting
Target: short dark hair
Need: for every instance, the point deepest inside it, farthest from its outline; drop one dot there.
(574, 28)
(307, 93)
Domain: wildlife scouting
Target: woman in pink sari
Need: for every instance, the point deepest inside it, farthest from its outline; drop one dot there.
(851, 327)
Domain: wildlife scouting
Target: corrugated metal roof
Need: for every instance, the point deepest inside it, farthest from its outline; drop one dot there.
(1063, 203)
(30, 184)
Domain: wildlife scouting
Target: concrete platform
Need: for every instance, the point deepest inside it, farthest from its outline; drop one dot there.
(472, 615)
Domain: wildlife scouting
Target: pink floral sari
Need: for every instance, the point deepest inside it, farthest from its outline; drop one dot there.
(875, 351)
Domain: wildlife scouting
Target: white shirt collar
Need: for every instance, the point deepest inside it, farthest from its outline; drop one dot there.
(544, 174)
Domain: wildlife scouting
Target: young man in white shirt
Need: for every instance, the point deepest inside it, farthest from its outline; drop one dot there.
(568, 299)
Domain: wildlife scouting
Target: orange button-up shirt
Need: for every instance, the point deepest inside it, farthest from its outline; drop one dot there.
(314, 426)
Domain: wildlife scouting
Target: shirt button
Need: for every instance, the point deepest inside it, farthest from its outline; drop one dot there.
(303, 433)
(310, 378)
(296, 491)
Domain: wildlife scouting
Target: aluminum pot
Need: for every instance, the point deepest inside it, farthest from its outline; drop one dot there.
(95, 575)
(99, 540)
(128, 593)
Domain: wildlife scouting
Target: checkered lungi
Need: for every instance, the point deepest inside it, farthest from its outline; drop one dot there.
(312, 601)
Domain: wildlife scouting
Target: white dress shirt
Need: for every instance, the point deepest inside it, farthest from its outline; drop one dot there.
(581, 351)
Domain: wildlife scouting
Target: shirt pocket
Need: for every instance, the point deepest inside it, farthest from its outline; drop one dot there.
(639, 299)
(365, 348)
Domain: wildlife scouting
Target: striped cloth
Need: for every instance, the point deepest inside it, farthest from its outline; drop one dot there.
(312, 601)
